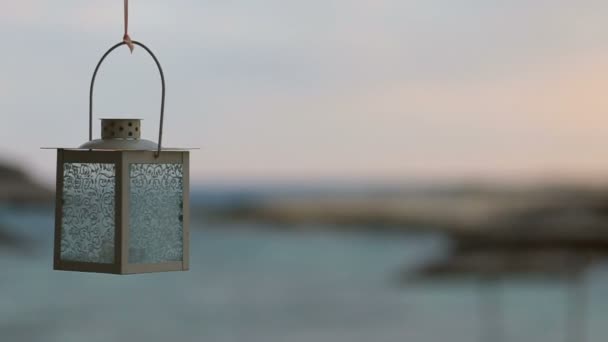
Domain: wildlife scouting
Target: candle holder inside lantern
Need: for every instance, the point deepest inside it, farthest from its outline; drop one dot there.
(122, 203)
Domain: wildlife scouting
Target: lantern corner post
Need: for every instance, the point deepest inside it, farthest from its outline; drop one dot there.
(58, 211)
(186, 210)
(122, 212)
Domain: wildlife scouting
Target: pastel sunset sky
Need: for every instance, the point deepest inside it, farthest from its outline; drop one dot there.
(349, 90)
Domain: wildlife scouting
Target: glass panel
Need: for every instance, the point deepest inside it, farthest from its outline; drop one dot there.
(87, 221)
(155, 217)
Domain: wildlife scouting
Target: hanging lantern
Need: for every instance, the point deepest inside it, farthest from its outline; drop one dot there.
(122, 201)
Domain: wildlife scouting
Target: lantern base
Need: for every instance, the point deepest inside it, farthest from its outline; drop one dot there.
(91, 267)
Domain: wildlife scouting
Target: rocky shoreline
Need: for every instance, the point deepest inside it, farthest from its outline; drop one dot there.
(560, 212)
(17, 188)
(492, 231)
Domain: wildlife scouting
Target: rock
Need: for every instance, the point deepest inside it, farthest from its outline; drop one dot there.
(17, 188)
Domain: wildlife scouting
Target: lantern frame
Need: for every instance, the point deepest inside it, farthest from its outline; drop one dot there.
(122, 161)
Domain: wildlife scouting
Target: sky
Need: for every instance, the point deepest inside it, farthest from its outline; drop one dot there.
(344, 90)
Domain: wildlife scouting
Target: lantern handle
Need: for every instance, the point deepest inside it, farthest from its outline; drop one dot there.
(162, 101)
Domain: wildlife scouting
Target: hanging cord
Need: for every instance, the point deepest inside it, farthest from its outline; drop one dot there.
(125, 37)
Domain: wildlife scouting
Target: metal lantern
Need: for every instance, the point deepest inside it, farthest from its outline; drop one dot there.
(122, 201)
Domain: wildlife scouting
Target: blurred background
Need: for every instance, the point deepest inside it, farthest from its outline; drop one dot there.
(387, 170)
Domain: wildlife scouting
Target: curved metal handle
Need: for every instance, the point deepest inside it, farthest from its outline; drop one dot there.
(162, 102)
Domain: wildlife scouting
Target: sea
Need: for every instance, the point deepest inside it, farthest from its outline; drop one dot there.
(265, 283)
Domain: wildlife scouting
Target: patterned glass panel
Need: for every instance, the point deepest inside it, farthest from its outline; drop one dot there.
(87, 221)
(155, 217)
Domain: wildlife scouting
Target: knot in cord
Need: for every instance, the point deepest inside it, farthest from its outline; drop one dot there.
(125, 37)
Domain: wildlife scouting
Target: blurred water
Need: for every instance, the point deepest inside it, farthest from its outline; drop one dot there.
(266, 285)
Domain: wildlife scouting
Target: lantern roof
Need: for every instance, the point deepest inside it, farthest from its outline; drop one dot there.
(120, 135)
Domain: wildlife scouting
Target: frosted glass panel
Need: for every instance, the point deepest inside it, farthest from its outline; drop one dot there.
(155, 213)
(87, 223)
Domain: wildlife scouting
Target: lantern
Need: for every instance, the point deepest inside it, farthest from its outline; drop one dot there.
(122, 201)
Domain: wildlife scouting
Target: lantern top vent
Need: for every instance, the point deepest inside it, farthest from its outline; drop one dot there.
(120, 134)
(120, 128)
